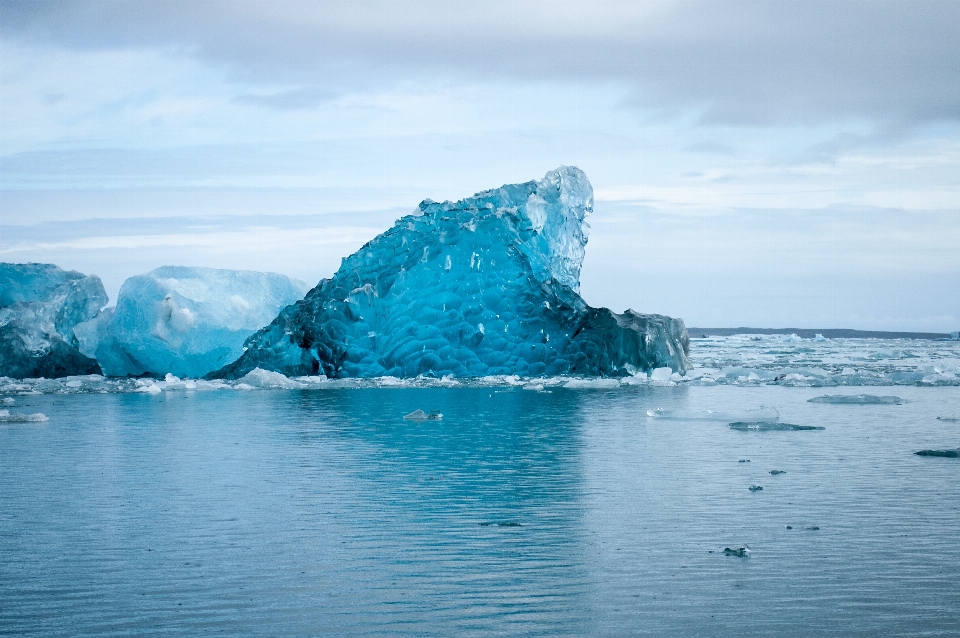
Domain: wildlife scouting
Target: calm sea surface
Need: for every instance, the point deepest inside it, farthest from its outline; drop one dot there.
(565, 511)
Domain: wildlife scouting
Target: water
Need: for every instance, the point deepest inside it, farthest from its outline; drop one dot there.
(566, 511)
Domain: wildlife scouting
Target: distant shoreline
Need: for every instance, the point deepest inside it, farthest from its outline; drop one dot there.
(810, 333)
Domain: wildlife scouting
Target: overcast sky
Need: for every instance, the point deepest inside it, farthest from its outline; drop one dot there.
(770, 164)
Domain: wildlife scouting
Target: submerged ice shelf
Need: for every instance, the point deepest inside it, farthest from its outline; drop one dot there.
(484, 286)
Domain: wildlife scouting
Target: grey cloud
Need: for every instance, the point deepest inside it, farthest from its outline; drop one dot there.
(737, 62)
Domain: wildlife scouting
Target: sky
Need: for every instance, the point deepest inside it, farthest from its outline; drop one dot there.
(764, 164)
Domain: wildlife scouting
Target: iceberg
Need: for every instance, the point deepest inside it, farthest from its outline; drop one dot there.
(184, 321)
(40, 306)
(484, 286)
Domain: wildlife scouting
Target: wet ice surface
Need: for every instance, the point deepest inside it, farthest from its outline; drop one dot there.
(556, 512)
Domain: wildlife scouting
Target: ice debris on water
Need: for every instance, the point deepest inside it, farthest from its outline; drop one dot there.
(484, 286)
(776, 472)
(768, 426)
(8, 400)
(951, 418)
(742, 552)
(420, 415)
(40, 307)
(857, 399)
(7, 417)
(752, 415)
(755, 488)
(184, 321)
(951, 454)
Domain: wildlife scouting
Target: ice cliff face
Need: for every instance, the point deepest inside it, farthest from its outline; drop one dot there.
(484, 286)
(40, 305)
(184, 321)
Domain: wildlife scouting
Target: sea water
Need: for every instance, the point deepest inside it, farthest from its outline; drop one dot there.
(550, 508)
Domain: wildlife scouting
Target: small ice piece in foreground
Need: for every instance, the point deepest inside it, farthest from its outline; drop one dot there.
(743, 552)
(8, 400)
(37, 417)
(420, 415)
(951, 417)
(951, 454)
(755, 488)
(766, 426)
(776, 472)
(185, 321)
(857, 399)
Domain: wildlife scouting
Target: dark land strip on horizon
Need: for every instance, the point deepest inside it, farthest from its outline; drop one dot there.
(810, 333)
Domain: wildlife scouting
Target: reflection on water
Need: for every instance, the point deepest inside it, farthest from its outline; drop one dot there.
(520, 512)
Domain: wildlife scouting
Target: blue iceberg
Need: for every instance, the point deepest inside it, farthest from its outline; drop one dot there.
(484, 286)
(184, 321)
(40, 306)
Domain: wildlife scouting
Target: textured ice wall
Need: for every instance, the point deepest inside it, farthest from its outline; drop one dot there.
(483, 286)
(184, 321)
(40, 305)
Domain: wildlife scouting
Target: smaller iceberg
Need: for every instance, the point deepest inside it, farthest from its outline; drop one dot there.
(40, 307)
(184, 321)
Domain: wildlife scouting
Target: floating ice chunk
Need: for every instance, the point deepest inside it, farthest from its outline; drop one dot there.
(259, 378)
(7, 417)
(149, 387)
(420, 415)
(186, 321)
(943, 417)
(950, 454)
(8, 401)
(749, 415)
(486, 286)
(857, 399)
(661, 374)
(40, 306)
(767, 426)
(592, 384)
(742, 552)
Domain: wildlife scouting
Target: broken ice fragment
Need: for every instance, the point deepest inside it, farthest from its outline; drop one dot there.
(420, 415)
(951, 454)
(743, 552)
(857, 399)
(765, 426)
(7, 417)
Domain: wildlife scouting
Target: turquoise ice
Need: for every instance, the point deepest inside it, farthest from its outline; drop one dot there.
(40, 305)
(484, 286)
(184, 321)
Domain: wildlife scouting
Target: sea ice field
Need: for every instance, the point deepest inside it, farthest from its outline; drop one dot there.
(774, 489)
